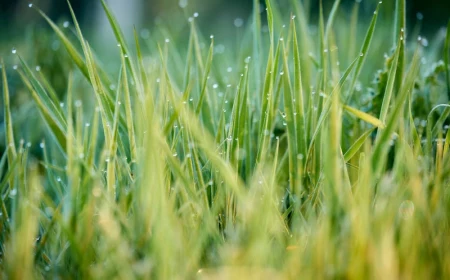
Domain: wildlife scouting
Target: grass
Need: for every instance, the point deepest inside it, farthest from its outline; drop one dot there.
(278, 159)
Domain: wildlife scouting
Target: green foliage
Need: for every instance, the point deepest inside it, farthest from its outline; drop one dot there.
(277, 159)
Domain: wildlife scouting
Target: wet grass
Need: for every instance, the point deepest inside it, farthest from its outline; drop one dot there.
(276, 159)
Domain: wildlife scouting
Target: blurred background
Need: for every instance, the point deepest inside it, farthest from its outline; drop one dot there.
(15, 15)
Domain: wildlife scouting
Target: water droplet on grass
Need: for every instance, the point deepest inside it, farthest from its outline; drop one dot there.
(66, 24)
(38, 68)
(14, 51)
(30, 5)
(183, 4)
(238, 22)
(195, 14)
(419, 16)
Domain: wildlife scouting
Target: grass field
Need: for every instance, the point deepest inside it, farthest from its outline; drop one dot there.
(289, 154)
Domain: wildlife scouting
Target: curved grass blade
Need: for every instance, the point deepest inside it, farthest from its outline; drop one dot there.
(47, 109)
(331, 18)
(364, 116)
(357, 145)
(72, 51)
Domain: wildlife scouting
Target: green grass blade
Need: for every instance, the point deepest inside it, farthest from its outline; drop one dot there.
(11, 150)
(351, 152)
(447, 60)
(364, 116)
(289, 109)
(364, 52)
(390, 87)
(326, 107)
(298, 95)
(381, 146)
(331, 18)
(128, 112)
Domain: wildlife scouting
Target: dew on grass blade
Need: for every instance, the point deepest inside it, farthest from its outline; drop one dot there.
(13, 192)
(183, 3)
(238, 22)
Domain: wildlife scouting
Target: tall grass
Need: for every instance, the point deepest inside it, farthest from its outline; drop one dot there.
(267, 162)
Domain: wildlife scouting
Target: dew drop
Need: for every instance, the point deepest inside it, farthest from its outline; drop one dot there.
(238, 22)
(13, 192)
(195, 14)
(229, 69)
(419, 16)
(38, 68)
(14, 51)
(183, 4)
(30, 5)
(215, 86)
(424, 42)
(42, 145)
(66, 24)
